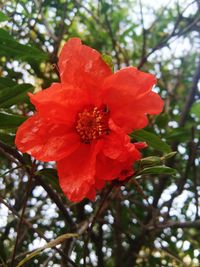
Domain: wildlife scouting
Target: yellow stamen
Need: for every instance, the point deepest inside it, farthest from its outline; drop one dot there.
(92, 124)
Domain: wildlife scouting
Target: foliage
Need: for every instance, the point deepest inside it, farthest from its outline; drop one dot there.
(152, 220)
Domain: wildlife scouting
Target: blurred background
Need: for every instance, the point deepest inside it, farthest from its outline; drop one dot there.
(158, 226)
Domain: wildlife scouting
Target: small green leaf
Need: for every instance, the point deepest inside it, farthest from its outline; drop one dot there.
(153, 160)
(13, 95)
(51, 244)
(108, 60)
(158, 170)
(152, 140)
(8, 120)
(3, 17)
(169, 155)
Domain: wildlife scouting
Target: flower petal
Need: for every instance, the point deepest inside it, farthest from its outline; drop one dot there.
(117, 145)
(60, 103)
(77, 172)
(76, 60)
(110, 169)
(45, 141)
(130, 78)
(129, 97)
(83, 67)
(117, 155)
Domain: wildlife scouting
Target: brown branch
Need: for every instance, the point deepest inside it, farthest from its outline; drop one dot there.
(196, 192)
(191, 96)
(186, 224)
(79, 4)
(34, 230)
(113, 40)
(22, 214)
(100, 209)
(8, 156)
(164, 41)
(136, 244)
(143, 53)
(45, 22)
(14, 153)
(181, 182)
(98, 241)
(118, 248)
(54, 196)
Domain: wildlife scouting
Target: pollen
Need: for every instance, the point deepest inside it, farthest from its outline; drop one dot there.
(92, 123)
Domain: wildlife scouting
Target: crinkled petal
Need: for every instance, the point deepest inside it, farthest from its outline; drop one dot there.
(129, 97)
(46, 141)
(111, 169)
(149, 103)
(77, 172)
(60, 103)
(117, 155)
(77, 59)
(117, 145)
(130, 78)
(82, 66)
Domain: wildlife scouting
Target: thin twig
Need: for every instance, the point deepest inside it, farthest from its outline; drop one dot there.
(45, 22)
(191, 96)
(94, 221)
(15, 154)
(143, 53)
(35, 230)
(164, 41)
(54, 196)
(22, 214)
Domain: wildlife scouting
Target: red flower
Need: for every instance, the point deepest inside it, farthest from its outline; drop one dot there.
(82, 123)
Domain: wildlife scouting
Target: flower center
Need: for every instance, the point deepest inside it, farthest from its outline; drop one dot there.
(92, 123)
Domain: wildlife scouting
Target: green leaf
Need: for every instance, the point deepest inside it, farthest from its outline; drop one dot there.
(3, 17)
(6, 82)
(7, 138)
(158, 170)
(13, 95)
(108, 60)
(11, 48)
(196, 109)
(179, 134)
(152, 140)
(8, 120)
(51, 244)
(162, 120)
(105, 7)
